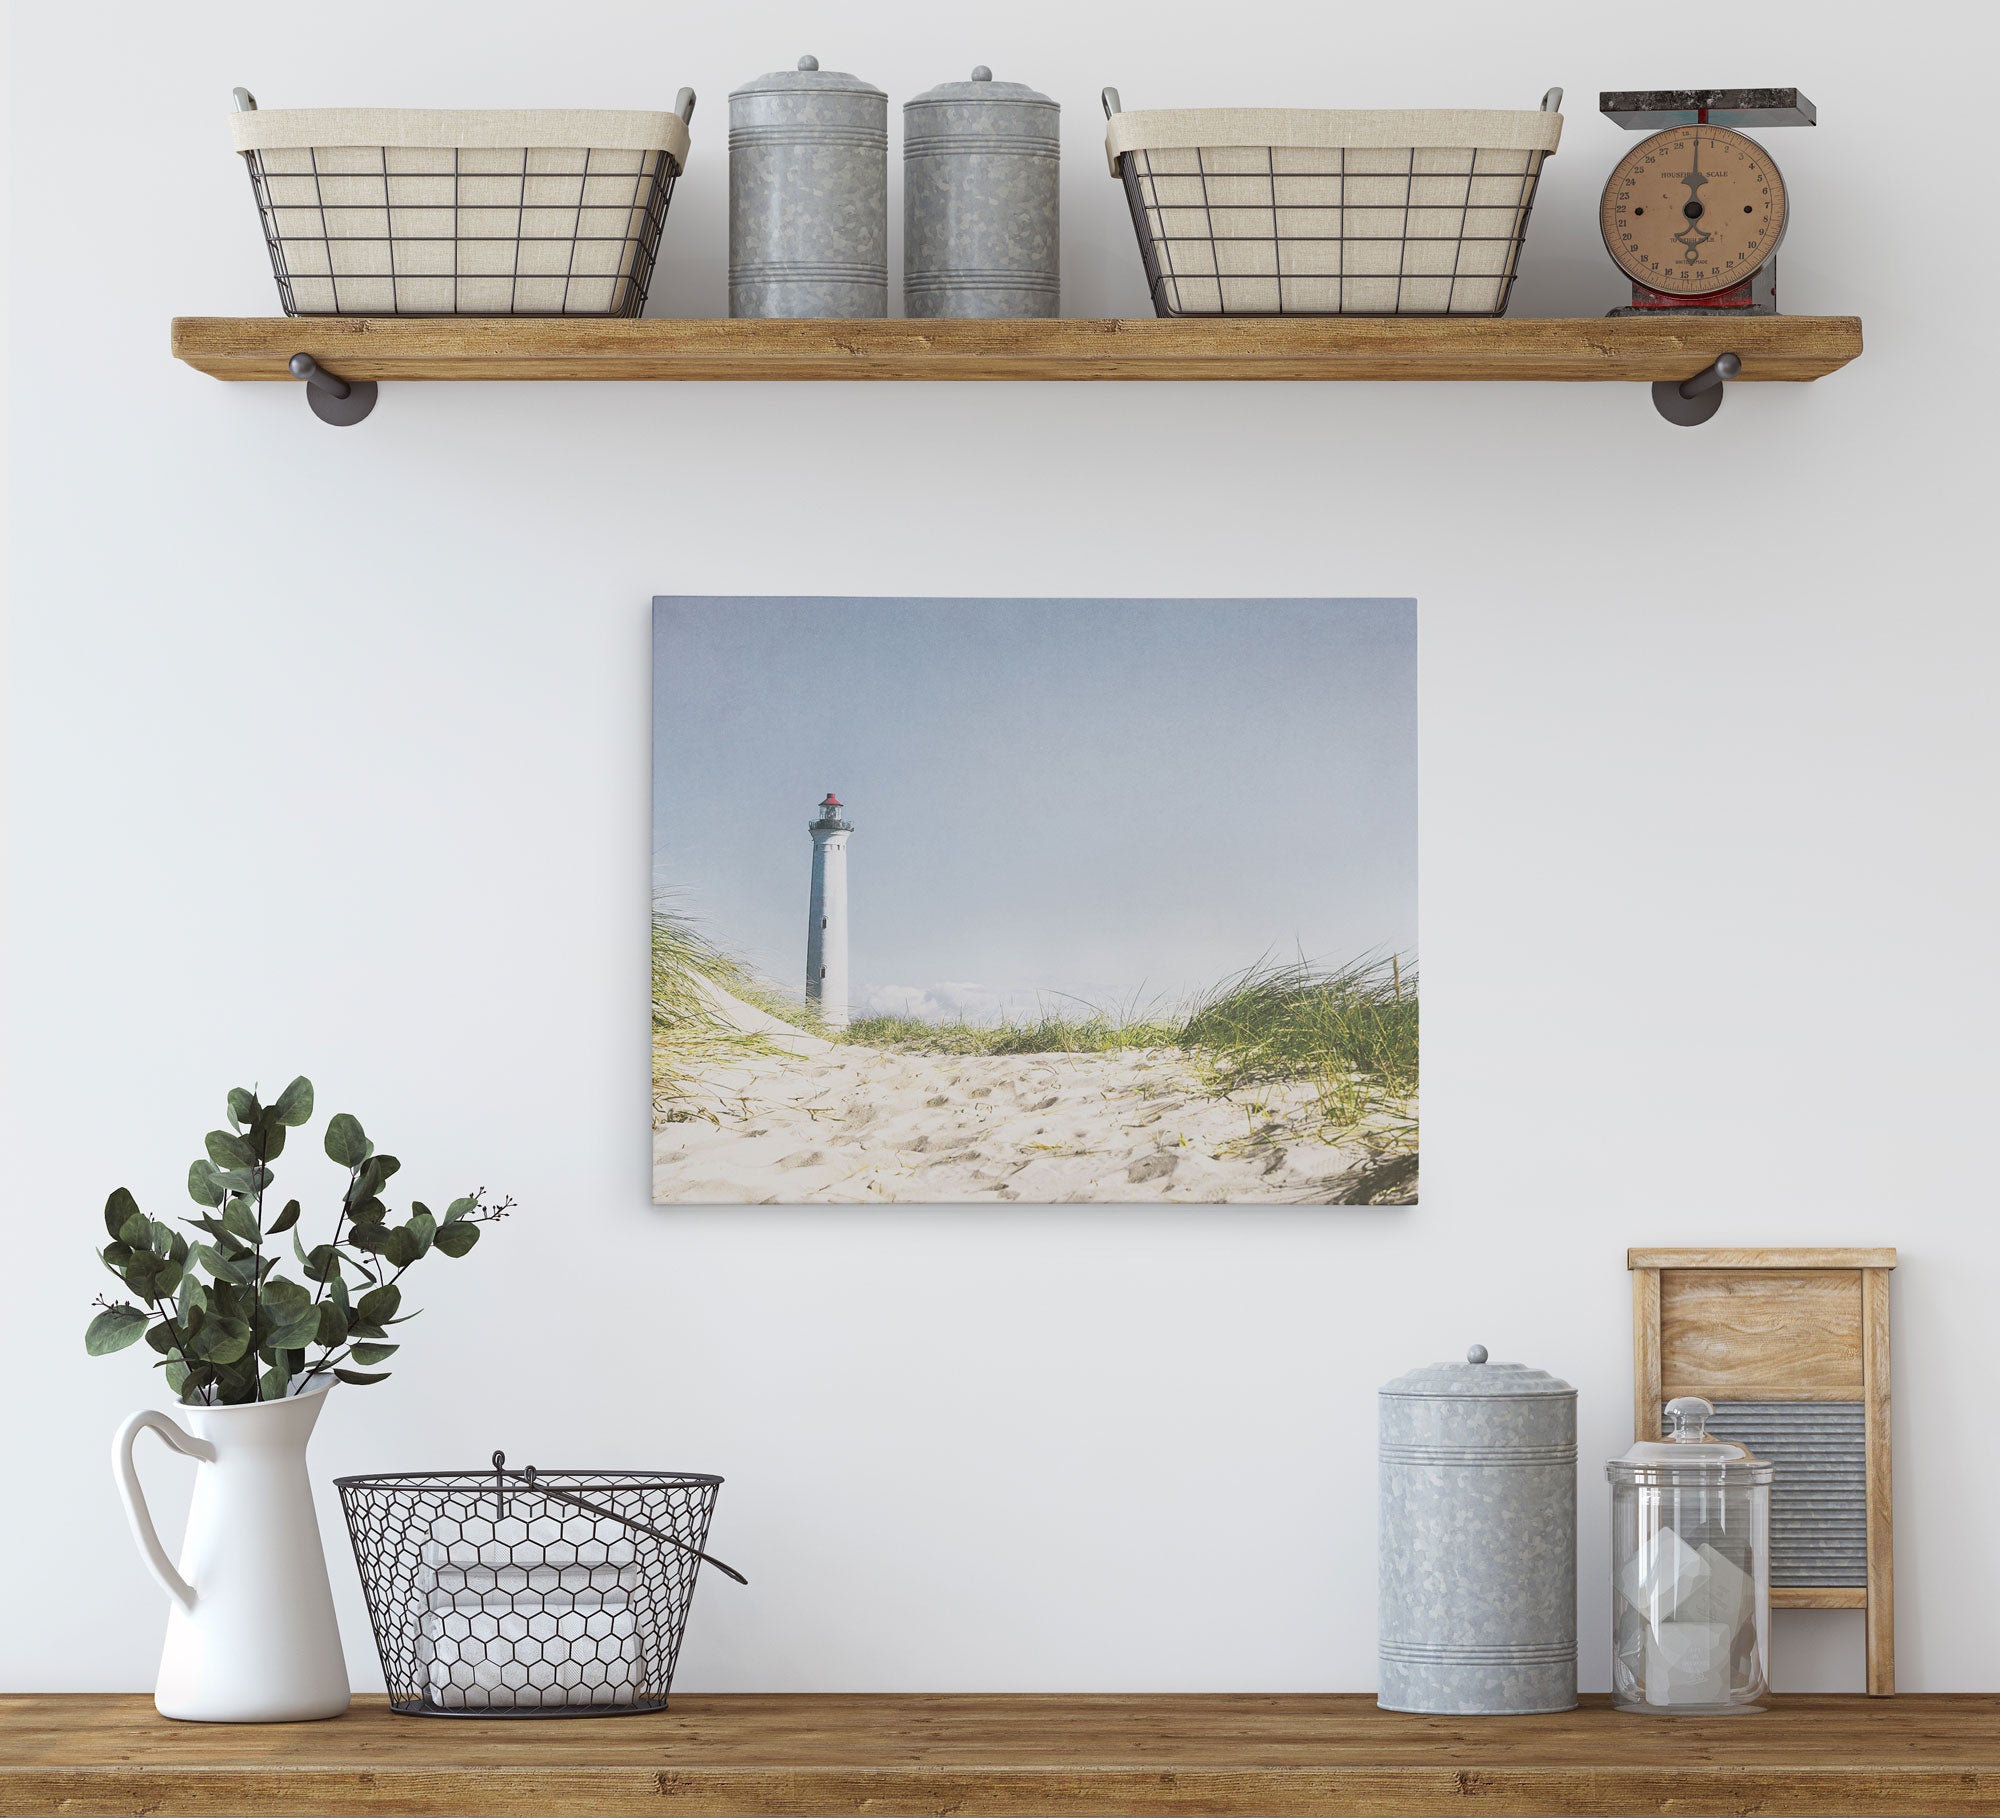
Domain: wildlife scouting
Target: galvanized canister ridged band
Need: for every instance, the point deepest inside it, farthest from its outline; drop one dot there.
(1479, 1456)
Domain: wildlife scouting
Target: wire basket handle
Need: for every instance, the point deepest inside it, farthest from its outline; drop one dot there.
(527, 1476)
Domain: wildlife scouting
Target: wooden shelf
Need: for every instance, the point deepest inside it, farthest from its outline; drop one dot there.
(1349, 347)
(1019, 1757)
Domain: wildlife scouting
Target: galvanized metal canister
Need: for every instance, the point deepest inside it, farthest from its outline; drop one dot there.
(1478, 1540)
(808, 195)
(981, 195)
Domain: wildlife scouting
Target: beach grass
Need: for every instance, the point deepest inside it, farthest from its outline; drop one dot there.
(1349, 1033)
(688, 1031)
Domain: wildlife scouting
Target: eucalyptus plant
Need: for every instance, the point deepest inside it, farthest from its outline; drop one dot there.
(228, 1325)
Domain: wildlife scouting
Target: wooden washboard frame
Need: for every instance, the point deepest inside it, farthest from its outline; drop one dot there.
(1792, 1347)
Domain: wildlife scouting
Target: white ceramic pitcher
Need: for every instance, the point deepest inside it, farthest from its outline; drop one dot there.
(251, 1637)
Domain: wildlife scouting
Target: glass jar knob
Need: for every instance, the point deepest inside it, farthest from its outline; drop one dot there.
(1687, 1417)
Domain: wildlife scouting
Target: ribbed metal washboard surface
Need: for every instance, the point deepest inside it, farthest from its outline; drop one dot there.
(1819, 1490)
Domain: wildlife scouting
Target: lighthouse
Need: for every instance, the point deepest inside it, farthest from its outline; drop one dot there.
(826, 922)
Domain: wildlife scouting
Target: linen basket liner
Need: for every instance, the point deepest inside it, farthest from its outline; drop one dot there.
(1306, 128)
(463, 128)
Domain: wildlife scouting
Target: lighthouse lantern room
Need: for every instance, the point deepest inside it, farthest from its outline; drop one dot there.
(826, 918)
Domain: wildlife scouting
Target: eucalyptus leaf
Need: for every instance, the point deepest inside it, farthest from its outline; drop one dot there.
(295, 1103)
(177, 1377)
(285, 1219)
(372, 1238)
(425, 1226)
(368, 1211)
(275, 1382)
(362, 1376)
(323, 1263)
(460, 1207)
(402, 1246)
(373, 1354)
(136, 1231)
(239, 1220)
(161, 1338)
(228, 1150)
(379, 1304)
(345, 1142)
(120, 1207)
(285, 1299)
(332, 1327)
(456, 1239)
(298, 1331)
(269, 1137)
(166, 1279)
(242, 1106)
(203, 1186)
(221, 1340)
(114, 1329)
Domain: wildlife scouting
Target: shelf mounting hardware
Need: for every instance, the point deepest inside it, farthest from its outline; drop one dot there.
(335, 400)
(1697, 399)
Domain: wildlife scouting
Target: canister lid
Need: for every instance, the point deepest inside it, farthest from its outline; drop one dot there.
(1688, 1452)
(807, 79)
(1476, 1377)
(982, 87)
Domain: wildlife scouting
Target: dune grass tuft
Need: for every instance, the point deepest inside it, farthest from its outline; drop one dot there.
(688, 1031)
(1348, 1032)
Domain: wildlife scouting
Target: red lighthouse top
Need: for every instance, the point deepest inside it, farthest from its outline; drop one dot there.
(832, 800)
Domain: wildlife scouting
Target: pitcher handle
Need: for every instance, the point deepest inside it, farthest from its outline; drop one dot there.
(136, 1511)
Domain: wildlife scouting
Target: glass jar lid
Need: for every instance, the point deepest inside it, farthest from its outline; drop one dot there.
(1476, 1377)
(1688, 1452)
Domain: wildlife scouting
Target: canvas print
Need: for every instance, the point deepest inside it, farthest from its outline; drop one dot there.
(1041, 901)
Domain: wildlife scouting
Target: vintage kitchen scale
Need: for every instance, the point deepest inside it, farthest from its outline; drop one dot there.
(1694, 214)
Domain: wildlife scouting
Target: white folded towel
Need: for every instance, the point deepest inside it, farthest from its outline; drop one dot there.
(517, 1626)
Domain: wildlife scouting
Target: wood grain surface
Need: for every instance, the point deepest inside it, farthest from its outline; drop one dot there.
(1761, 1335)
(1881, 1514)
(1344, 347)
(1875, 1258)
(925, 1757)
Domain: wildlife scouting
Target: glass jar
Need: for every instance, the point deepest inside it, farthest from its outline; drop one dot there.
(1690, 1570)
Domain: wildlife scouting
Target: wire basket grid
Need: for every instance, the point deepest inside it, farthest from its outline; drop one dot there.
(1276, 230)
(529, 1594)
(454, 230)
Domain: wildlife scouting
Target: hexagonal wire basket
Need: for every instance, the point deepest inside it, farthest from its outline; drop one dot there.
(525, 1593)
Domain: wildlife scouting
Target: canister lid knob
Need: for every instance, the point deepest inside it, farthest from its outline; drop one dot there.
(808, 63)
(1475, 1353)
(982, 74)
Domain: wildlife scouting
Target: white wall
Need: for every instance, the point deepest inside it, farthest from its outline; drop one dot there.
(328, 753)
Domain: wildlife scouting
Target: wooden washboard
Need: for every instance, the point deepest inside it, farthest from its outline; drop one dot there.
(1792, 1347)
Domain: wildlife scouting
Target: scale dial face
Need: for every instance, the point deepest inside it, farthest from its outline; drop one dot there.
(1692, 210)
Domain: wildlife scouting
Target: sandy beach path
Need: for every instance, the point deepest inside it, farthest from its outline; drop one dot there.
(854, 1124)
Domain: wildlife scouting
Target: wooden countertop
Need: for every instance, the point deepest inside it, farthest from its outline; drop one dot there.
(966, 1757)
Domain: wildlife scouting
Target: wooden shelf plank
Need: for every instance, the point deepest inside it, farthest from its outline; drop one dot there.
(1013, 1757)
(1349, 347)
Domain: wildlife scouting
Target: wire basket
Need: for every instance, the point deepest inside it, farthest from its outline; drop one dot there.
(529, 1593)
(408, 212)
(1272, 212)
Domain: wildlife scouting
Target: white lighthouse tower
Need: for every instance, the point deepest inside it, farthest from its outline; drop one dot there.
(826, 925)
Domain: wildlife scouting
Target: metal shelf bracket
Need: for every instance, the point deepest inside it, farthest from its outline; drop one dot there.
(340, 401)
(1697, 399)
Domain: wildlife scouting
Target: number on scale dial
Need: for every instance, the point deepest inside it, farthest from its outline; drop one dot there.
(1692, 210)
